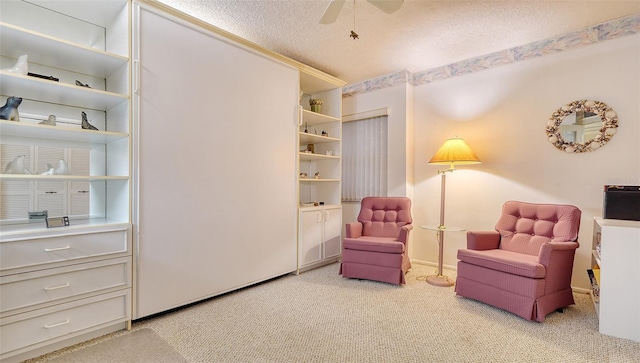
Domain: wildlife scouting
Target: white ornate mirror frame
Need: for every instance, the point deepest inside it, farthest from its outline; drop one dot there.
(582, 126)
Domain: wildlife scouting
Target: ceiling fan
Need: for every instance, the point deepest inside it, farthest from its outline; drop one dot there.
(335, 6)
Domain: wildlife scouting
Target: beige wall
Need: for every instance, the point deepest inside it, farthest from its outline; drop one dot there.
(502, 113)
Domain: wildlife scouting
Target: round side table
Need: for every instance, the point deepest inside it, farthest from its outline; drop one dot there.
(439, 279)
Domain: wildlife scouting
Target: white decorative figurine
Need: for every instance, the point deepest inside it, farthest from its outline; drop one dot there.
(21, 67)
(16, 166)
(51, 121)
(61, 169)
(49, 170)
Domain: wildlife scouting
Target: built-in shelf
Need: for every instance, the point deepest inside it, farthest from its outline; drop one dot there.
(313, 81)
(313, 118)
(318, 207)
(44, 90)
(307, 138)
(313, 180)
(60, 133)
(596, 257)
(311, 156)
(58, 53)
(596, 304)
(32, 177)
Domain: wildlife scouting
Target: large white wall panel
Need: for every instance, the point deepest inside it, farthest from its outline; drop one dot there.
(215, 151)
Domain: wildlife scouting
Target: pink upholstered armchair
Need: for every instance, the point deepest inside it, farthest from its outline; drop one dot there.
(376, 247)
(525, 265)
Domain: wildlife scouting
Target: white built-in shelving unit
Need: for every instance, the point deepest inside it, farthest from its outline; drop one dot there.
(616, 258)
(67, 284)
(320, 150)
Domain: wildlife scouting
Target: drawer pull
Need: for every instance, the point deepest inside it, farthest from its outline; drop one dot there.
(49, 326)
(56, 249)
(57, 287)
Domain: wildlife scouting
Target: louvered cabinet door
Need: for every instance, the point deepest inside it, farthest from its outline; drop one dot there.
(50, 195)
(79, 197)
(16, 196)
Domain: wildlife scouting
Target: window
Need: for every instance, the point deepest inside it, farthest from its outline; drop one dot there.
(364, 158)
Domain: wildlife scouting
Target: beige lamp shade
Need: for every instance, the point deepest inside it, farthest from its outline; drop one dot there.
(454, 151)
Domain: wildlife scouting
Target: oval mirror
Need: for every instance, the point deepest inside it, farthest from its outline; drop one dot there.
(582, 126)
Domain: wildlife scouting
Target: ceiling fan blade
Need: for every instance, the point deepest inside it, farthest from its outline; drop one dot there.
(331, 13)
(388, 6)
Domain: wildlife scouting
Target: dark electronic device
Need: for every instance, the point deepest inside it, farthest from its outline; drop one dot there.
(621, 202)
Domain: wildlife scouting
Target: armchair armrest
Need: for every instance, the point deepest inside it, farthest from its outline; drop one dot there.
(483, 240)
(404, 233)
(557, 258)
(551, 249)
(353, 230)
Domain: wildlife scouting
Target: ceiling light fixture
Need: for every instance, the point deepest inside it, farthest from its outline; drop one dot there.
(335, 6)
(354, 35)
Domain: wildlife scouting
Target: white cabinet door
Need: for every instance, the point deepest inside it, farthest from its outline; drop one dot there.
(332, 232)
(320, 234)
(311, 231)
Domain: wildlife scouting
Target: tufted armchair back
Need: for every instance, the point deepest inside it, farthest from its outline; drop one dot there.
(384, 216)
(525, 227)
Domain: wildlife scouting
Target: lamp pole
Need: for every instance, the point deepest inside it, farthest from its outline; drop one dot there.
(441, 227)
(440, 279)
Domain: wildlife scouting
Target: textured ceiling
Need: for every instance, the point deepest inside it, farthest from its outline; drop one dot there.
(423, 34)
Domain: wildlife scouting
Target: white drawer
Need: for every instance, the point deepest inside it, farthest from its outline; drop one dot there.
(60, 284)
(63, 321)
(30, 252)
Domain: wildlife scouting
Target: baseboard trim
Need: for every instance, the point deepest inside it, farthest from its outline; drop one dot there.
(428, 263)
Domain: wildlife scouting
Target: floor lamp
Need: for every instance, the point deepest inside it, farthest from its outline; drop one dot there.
(453, 151)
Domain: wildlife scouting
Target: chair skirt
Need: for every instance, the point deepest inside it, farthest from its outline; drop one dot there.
(519, 295)
(366, 265)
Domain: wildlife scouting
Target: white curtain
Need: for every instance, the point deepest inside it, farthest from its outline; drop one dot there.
(364, 158)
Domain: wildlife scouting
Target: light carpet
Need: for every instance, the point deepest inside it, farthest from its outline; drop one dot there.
(139, 346)
(320, 317)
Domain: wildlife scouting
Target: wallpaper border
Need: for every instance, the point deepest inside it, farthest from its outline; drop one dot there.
(628, 25)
